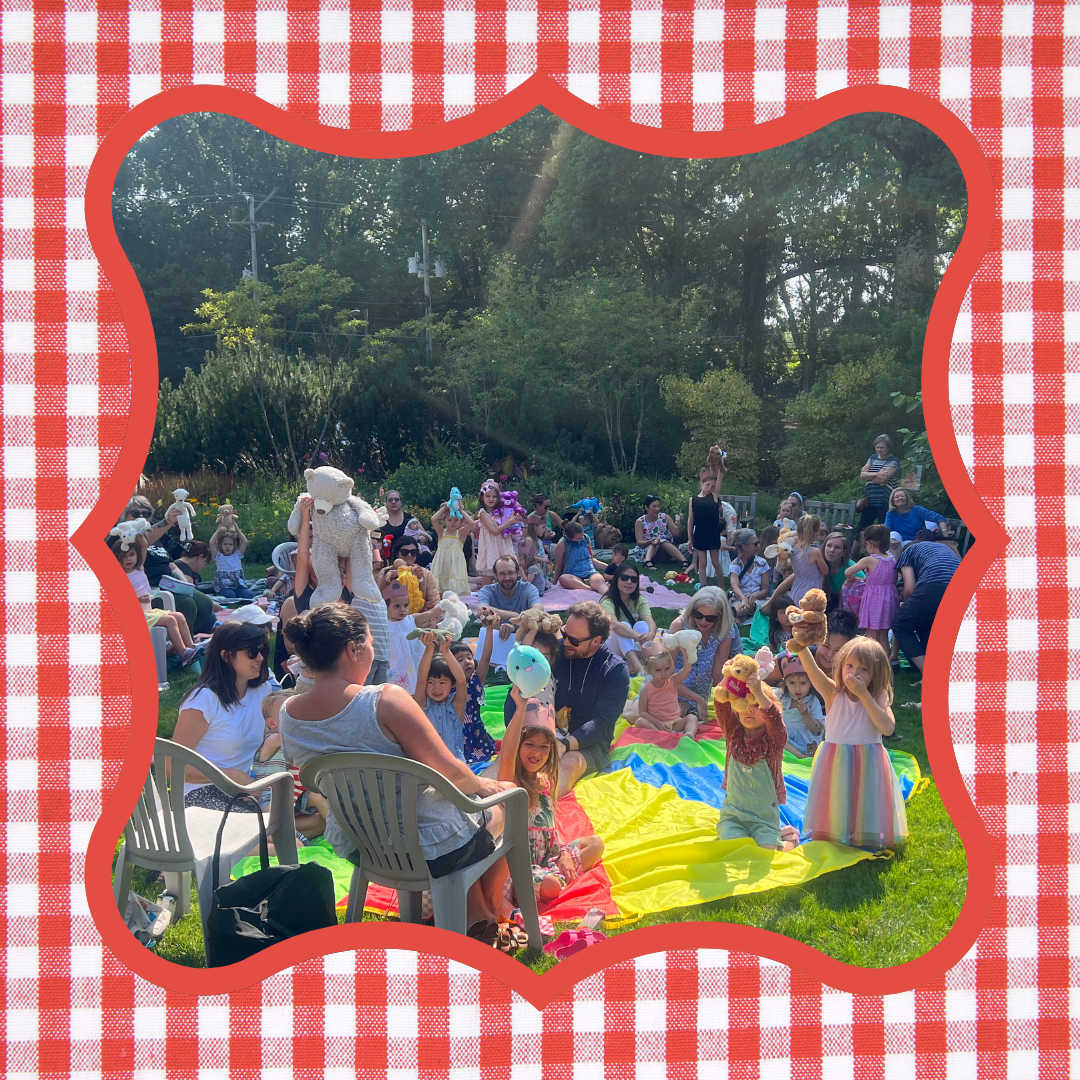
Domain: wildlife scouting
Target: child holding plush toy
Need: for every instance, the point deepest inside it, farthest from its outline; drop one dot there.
(854, 795)
(442, 692)
(448, 566)
(228, 549)
(479, 745)
(494, 539)
(405, 653)
(659, 708)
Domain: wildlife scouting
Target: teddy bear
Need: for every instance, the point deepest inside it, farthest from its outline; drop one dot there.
(183, 518)
(488, 617)
(130, 531)
(341, 526)
(453, 504)
(781, 550)
(716, 462)
(683, 639)
(733, 688)
(508, 507)
(226, 517)
(455, 614)
(809, 625)
(546, 622)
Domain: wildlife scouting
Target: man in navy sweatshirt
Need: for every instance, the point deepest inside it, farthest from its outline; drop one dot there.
(593, 682)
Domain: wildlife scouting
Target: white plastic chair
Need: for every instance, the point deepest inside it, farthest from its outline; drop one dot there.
(160, 637)
(390, 847)
(164, 834)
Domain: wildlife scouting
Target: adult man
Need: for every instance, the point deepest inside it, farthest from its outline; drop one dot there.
(508, 595)
(592, 682)
(927, 568)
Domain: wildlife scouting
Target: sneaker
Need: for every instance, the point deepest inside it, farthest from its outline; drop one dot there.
(189, 656)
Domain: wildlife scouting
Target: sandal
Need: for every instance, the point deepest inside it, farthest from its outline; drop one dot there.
(505, 939)
(649, 565)
(485, 931)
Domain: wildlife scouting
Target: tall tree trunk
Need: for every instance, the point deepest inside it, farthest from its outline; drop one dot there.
(755, 267)
(916, 249)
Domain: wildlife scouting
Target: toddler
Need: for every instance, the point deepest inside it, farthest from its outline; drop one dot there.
(414, 531)
(405, 654)
(619, 554)
(659, 708)
(880, 602)
(534, 564)
(753, 783)
(442, 692)
(854, 795)
(228, 548)
(802, 710)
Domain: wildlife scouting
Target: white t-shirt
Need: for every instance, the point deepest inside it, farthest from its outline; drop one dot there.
(235, 733)
(405, 655)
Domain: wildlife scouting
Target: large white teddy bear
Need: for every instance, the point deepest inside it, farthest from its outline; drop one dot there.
(341, 526)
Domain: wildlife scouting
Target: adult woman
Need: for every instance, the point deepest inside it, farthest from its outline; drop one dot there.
(408, 550)
(837, 553)
(749, 575)
(340, 714)
(709, 613)
(654, 532)
(221, 716)
(491, 543)
(881, 473)
(543, 522)
(632, 622)
(395, 523)
(908, 519)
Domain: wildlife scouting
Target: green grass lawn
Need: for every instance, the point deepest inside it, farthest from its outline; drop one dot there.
(876, 913)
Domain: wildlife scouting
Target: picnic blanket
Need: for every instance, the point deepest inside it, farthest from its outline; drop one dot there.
(656, 808)
(557, 598)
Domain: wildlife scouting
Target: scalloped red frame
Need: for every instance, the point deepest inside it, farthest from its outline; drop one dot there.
(541, 90)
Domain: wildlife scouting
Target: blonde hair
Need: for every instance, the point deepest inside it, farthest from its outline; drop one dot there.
(870, 654)
(270, 701)
(806, 530)
(710, 596)
(654, 661)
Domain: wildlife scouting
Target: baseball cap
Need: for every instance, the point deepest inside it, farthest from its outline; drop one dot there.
(896, 536)
(251, 614)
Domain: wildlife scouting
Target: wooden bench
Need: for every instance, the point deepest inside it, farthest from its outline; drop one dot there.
(833, 513)
(959, 532)
(745, 506)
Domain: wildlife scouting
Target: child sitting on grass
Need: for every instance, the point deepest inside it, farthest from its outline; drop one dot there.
(619, 554)
(803, 713)
(228, 547)
(437, 679)
(534, 564)
(659, 708)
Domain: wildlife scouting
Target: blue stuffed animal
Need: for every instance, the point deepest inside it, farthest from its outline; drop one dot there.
(592, 505)
(454, 503)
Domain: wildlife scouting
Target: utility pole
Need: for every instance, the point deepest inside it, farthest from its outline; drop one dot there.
(420, 268)
(253, 225)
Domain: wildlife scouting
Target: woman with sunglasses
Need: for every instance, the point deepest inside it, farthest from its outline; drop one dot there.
(221, 716)
(408, 550)
(709, 612)
(632, 624)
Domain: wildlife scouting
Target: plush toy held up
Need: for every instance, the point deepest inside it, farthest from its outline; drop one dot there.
(439, 633)
(488, 617)
(454, 503)
(591, 506)
(226, 517)
(733, 689)
(689, 640)
(508, 507)
(546, 622)
(408, 578)
(187, 512)
(341, 526)
(528, 669)
(455, 614)
(716, 461)
(809, 624)
(128, 531)
(781, 550)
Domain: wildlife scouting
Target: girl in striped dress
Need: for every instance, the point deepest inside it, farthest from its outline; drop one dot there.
(854, 795)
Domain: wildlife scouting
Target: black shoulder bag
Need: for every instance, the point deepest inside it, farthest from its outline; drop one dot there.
(268, 906)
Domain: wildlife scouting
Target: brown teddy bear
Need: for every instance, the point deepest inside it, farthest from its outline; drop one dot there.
(226, 516)
(546, 622)
(716, 462)
(488, 617)
(733, 688)
(809, 625)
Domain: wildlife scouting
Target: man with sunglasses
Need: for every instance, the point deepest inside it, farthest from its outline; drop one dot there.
(592, 682)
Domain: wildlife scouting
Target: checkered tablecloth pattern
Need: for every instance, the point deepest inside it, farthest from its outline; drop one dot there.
(1010, 73)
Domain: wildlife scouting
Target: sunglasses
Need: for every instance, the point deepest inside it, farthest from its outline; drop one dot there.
(706, 618)
(141, 513)
(255, 650)
(409, 551)
(575, 641)
(628, 577)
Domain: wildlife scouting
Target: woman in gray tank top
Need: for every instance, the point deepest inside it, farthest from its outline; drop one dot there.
(342, 715)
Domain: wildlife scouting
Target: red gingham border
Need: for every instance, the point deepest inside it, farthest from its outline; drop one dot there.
(1009, 73)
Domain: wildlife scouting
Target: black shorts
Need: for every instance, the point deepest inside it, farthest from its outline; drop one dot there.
(478, 847)
(597, 758)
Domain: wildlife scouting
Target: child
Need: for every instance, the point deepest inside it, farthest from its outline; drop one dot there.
(753, 783)
(414, 532)
(277, 583)
(176, 626)
(619, 554)
(405, 654)
(448, 567)
(784, 519)
(437, 679)
(575, 567)
(228, 548)
(529, 757)
(854, 795)
(803, 714)
(534, 564)
(807, 563)
(491, 525)
(659, 708)
(775, 608)
(880, 602)
(478, 744)
(703, 526)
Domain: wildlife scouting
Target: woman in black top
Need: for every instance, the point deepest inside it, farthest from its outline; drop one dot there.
(704, 527)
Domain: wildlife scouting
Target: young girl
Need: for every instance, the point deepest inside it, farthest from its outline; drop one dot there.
(448, 566)
(854, 795)
(784, 520)
(478, 744)
(775, 608)
(405, 654)
(529, 757)
(131, 562)
(491, 543)
(659, 708)
(228, 548)
(703, 526)
(807, 563)
(575, 567)
(753, 783)
(803, 715)
(534, 564)
(879, 600)
(437, 679)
